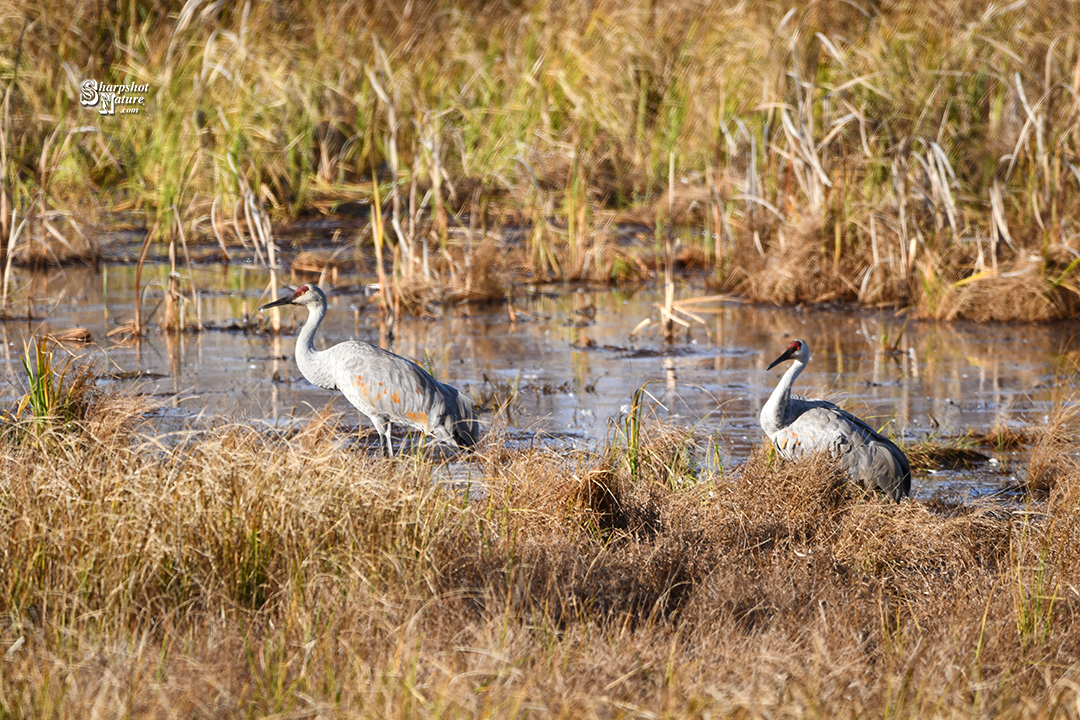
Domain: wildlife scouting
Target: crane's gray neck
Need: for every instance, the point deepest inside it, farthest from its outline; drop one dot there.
(311, 365)
(774, 412)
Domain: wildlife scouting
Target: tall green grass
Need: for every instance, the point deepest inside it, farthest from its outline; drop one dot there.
(58, 390)
(907, 154)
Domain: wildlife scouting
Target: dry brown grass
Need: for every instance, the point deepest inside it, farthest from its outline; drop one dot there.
(1026, 297)
(1053, 464)
(792, 270)
(239, 573)
(482, 271)
(1005, 437)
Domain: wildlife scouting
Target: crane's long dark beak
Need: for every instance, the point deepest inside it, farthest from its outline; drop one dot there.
(280, 301)
(786, 356)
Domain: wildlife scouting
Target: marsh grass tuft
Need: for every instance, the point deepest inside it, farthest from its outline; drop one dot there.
(951, 454)
(62, 398)
(59, 393)
(1052, 465)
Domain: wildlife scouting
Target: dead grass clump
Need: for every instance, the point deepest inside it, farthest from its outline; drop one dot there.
(115, 414)
(320, 429)
(909, 544)
(687, 205)
(417, 296)
(791, 500)
(1027, 297)
(55, 239)
(796, 268)
(599, 499)
(1053, 468)
(1004, 437)
(657, 453)
(484, 272)
(580, 542)
(458, 273)
(781, 277)
(72, 337)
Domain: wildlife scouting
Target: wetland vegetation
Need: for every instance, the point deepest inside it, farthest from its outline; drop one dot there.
(914, 156)
(906, 154)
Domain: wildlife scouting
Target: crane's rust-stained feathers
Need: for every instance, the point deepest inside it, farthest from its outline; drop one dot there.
(397, 389)
(385, 387)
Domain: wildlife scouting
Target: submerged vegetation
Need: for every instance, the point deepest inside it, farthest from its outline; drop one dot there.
(914, 154)
(246, 572)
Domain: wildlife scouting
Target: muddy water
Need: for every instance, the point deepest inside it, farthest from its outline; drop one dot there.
(571, 362)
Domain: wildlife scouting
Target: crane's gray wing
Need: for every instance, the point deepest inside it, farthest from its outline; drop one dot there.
(866, 456)
(398, 390)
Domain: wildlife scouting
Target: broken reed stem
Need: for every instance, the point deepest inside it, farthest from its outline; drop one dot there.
(195, 299)
(217, 230)
(137, 331)
(261, 231)
(669, 261)
(271, 255)
(436, 189)
(473, 210)
(414, 211)
(246, 201)
(172, 292)
(10, 247)
(377, 235)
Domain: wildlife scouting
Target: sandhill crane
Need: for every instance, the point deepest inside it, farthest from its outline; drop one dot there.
(798, 427)
(385, 387)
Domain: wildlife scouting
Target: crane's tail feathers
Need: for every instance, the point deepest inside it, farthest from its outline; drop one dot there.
(466, 428)
(887, 469)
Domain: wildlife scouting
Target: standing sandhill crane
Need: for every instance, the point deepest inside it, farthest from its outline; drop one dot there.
(385, 387)
(799, 426)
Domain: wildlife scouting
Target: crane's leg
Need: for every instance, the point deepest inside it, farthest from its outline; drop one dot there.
(382, 426)
(389, 440)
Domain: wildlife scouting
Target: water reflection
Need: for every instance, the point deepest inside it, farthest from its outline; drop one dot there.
(569, 354)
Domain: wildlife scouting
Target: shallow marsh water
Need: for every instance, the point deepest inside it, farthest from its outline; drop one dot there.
(571, 360)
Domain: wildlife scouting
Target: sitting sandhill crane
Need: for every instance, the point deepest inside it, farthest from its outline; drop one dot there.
(385, 387)
(799, 427)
